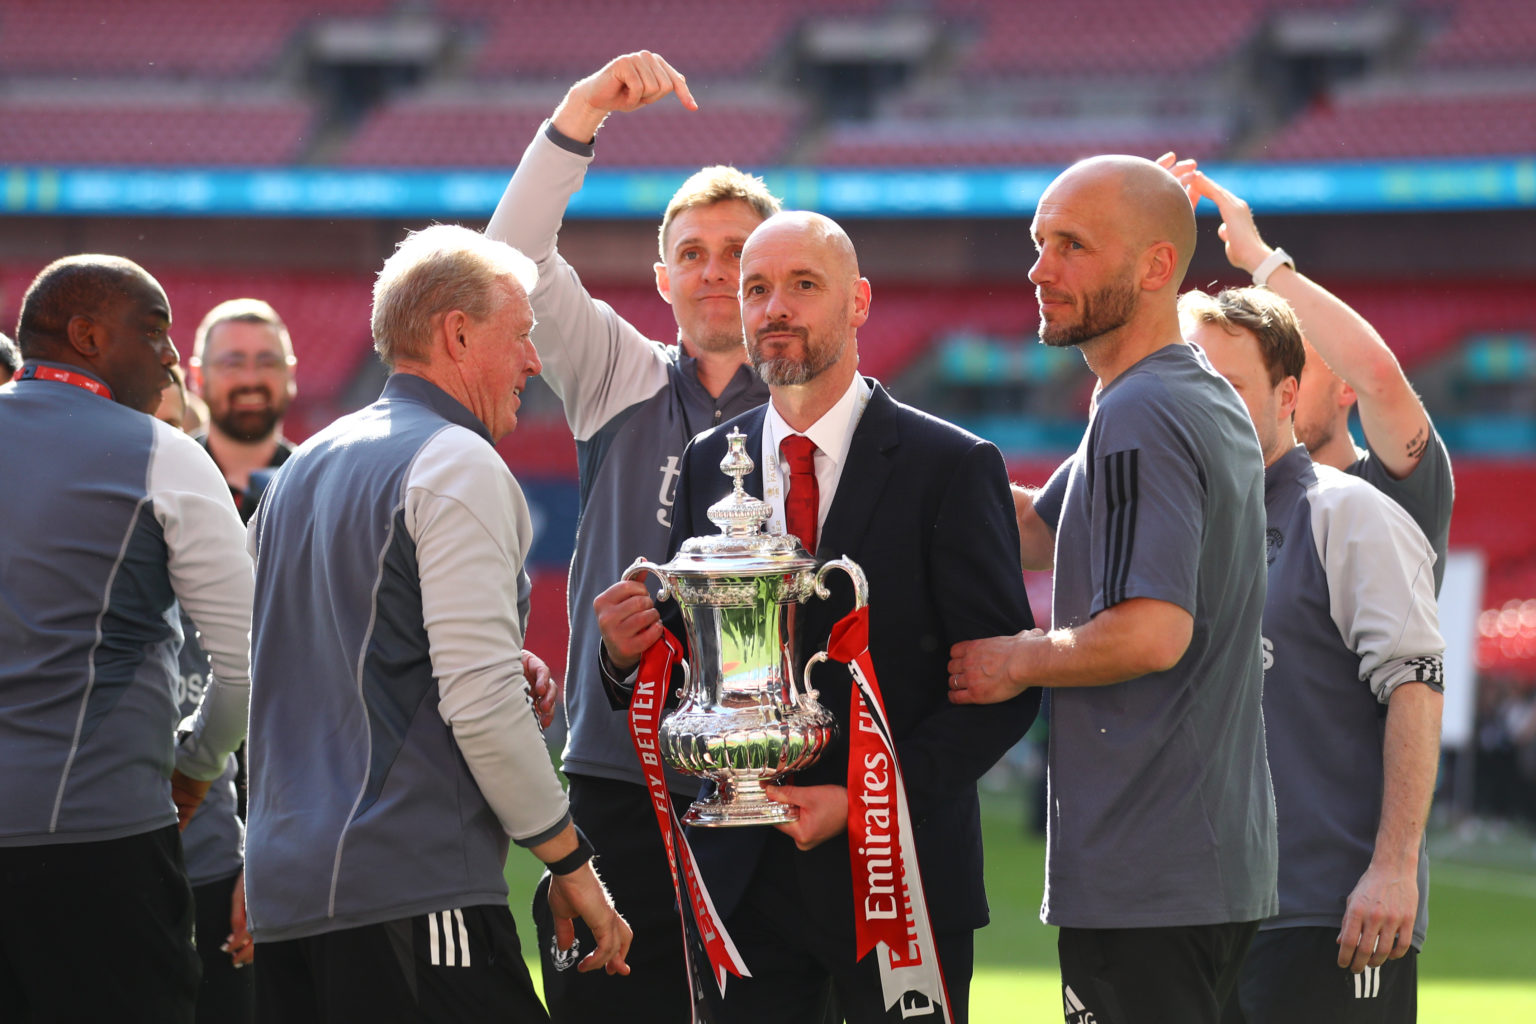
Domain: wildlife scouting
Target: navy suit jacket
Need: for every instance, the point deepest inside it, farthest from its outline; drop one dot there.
(924, 508)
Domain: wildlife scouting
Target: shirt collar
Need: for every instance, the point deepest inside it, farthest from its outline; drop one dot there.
(834, 431)
(412, 388)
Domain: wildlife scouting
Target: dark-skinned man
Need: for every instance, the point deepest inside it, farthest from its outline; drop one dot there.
(113, 518)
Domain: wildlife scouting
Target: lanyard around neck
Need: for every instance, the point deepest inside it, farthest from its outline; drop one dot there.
(34, 372)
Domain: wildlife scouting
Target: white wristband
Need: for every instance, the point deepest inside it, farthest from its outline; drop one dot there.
(1270, 265)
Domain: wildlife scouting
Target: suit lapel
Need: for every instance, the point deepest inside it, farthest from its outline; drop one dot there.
(753, 481)
(871, 458)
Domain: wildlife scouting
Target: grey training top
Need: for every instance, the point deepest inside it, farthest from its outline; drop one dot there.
(1160, 807)
(110, 518)
(632, 404)
(394, 747)
(213, 843)
(1350, 617)
(1426, 494)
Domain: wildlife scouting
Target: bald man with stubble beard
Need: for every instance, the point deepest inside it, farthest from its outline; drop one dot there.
(923, 507)
(1161, 855)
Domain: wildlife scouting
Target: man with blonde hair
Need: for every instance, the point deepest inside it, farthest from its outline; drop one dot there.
(394, 746)
(1352, 700)
(632, 404)
(1348, 366)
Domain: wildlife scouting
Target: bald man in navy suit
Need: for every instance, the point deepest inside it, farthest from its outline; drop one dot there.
(924, 508)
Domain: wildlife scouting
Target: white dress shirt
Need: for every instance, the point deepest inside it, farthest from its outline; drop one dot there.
(831, 434)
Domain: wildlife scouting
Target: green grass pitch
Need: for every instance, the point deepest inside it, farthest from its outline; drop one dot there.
(1479, 963)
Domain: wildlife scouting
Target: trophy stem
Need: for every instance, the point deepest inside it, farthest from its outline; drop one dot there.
(738, 801)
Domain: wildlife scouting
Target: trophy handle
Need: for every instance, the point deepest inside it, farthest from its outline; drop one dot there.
(849, 566)
(860, 599)
(807, 692)
(640, 566)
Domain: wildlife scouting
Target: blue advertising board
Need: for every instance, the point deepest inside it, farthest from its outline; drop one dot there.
(1397, 186)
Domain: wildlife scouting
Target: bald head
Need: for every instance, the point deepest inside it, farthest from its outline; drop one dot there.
(802, 300)
(820, 237)
(1145, 202)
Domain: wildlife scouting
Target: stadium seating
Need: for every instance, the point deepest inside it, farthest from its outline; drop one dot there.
(1093, 38)
(1479, 34)
(416, 133)
(437, 133)
(1408, 125)
(1090, 38)
(546, 38)
(328, 314)
(157, 38)
(992, 46)
(183, 83)
(950, 145)
(166, 133)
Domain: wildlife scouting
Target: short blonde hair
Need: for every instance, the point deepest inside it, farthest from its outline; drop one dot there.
(433, 272)
(717, 184)
(1262, 313)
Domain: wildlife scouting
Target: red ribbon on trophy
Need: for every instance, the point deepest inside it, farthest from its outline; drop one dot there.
(889, 909)
(651, 680)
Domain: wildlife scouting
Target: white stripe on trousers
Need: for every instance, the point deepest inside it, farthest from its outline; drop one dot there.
(1368, 983)
(450, 952)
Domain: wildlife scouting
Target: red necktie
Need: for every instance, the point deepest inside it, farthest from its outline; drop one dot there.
(803, 501)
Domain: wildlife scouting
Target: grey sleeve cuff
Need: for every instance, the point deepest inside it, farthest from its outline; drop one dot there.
(565, 142)
(547, 834)
(1424, 668)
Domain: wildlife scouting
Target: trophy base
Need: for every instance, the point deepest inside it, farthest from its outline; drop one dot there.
(738, 802)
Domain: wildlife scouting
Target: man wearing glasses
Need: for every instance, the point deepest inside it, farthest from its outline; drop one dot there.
(242, 366)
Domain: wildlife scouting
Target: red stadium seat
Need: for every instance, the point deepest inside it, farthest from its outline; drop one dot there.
(942, 145)
(1480, 34)
(1375, 126)
(436, 133)
(552, 40)
(162, 38)
(168, 133)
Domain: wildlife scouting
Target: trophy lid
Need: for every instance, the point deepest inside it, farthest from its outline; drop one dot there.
(743, 546)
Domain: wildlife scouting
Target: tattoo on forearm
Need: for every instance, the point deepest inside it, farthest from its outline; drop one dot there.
(1420, 442)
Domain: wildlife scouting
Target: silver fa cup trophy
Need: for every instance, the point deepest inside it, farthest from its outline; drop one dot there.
(742, 721)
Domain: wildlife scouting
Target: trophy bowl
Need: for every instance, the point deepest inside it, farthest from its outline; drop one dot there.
(742, 720)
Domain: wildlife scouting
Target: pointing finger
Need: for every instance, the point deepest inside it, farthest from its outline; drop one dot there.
(670, 79)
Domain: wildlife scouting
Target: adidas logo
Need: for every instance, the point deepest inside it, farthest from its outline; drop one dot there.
(1072, 1008)
(1368, 983)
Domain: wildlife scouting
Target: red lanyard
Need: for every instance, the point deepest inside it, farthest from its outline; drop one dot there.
(34, 372)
